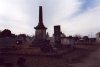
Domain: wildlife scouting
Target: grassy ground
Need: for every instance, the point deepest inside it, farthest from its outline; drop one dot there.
(70, 58)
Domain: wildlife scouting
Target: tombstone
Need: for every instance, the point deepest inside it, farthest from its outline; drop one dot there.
(21, 62)
(57, 36)
(1, 61)
(19, 42)
(6, 42)
(46, 47)
(8, 65)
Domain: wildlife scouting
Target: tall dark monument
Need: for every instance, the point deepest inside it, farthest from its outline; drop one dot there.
(40, 33)
(57, 36)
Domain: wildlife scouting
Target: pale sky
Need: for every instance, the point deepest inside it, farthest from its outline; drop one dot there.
(75, 16)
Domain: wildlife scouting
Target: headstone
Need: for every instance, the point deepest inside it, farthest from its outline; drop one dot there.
(21, 62)
(8, 65)
(1, 61)
(57, 36)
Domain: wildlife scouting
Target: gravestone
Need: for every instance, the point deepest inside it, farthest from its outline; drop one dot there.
(1, 61)
(21, 62)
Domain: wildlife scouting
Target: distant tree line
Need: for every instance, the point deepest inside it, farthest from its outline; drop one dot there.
(8, 33)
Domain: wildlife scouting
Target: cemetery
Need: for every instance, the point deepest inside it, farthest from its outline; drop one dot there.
(41, 51)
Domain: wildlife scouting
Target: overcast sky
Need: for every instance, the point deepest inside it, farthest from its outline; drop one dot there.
(75, 16)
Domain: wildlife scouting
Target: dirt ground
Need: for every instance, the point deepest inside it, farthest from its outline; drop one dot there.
(81, 56)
